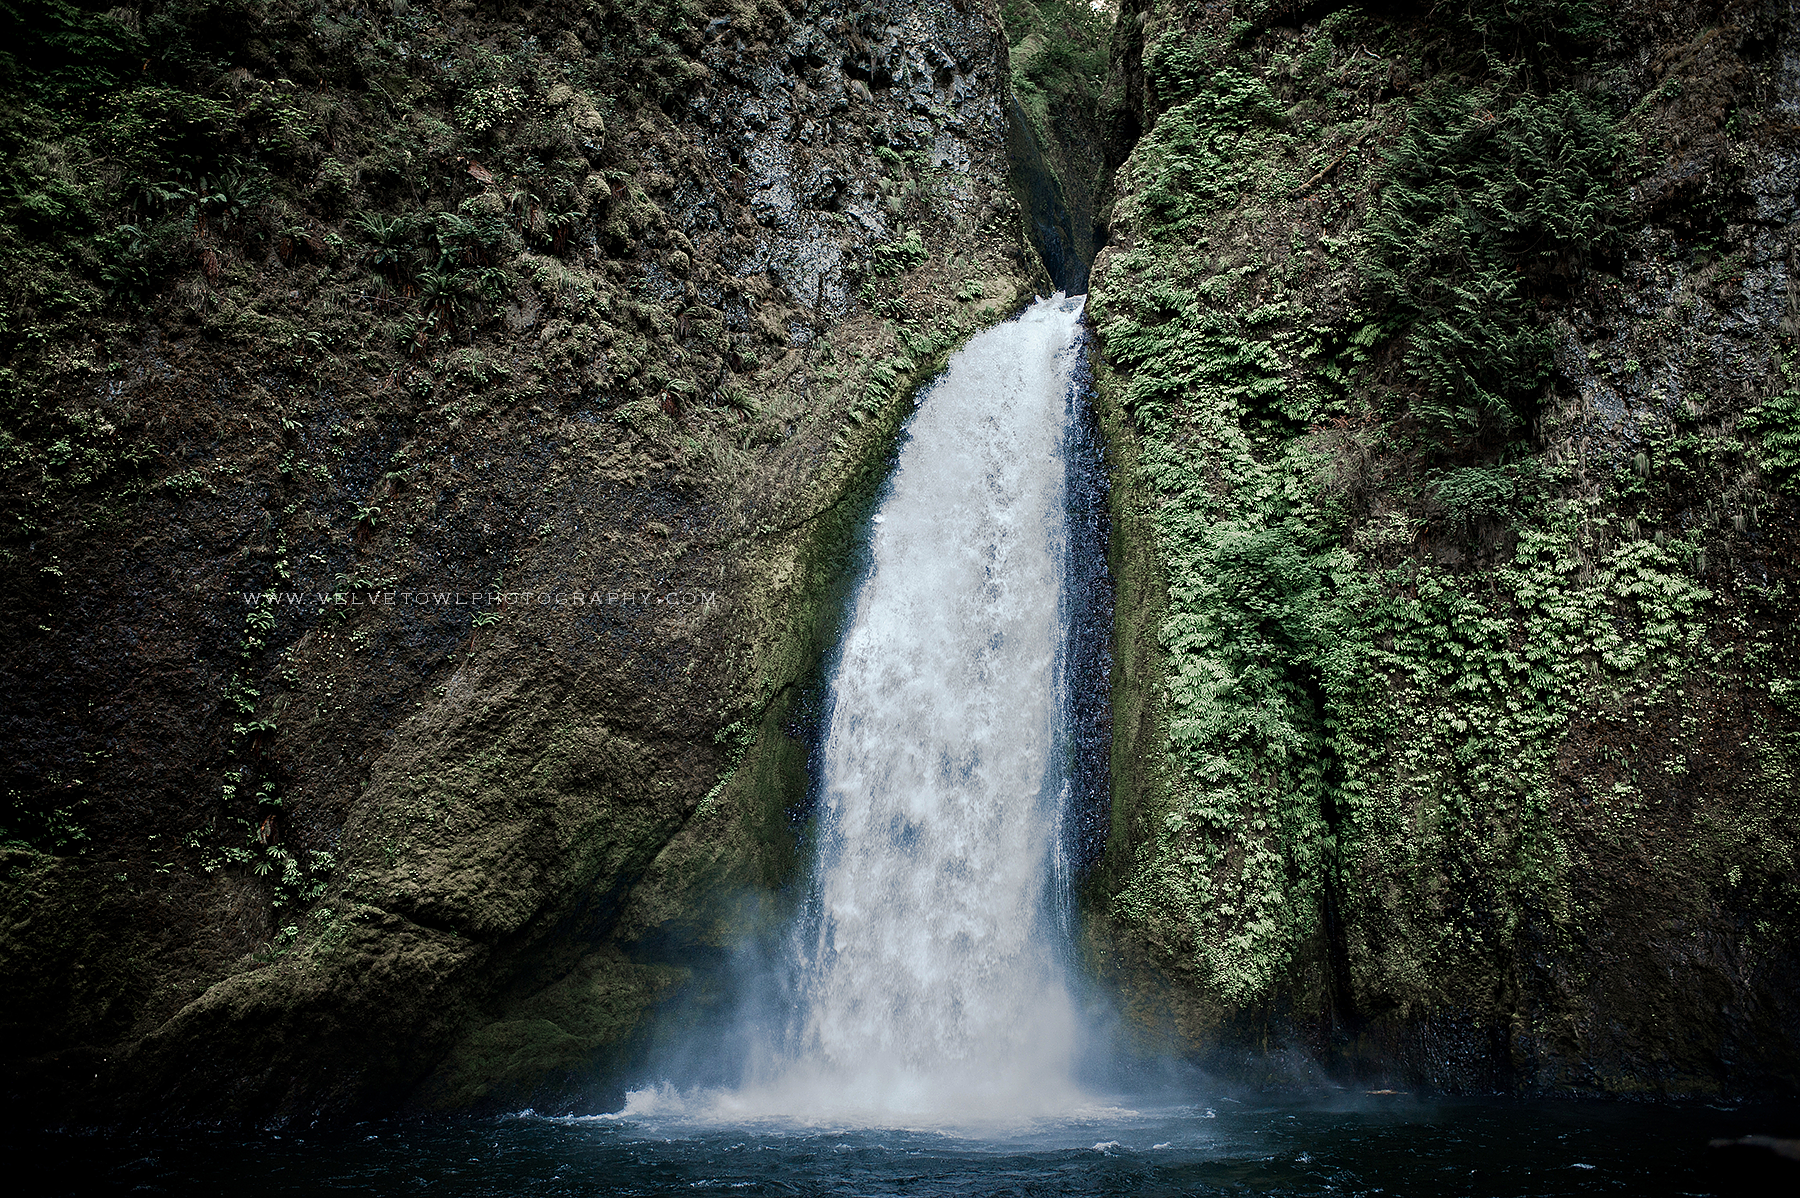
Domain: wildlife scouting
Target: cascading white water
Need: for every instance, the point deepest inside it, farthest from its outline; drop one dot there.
(932, 981)
(935, 982)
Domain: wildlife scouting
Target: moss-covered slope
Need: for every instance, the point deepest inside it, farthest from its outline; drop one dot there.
(433, 436)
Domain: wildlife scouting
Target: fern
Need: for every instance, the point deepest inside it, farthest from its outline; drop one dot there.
(1485, 199)
(1776, 423)
(896, 257)
(1535, 28)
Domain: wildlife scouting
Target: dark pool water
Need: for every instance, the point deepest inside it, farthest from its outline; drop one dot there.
(1388, 1145)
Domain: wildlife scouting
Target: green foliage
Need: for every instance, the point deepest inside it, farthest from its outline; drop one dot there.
(1447, 710)
(192, 42)
(1195, 163)
(1184, 344)
(1337, 731)
(387, 237)
(896, 257)
(735, 396)
(1177, 63)
(167, 159)
(1184, 326)
(1471, 491)
(29, 822)
(1776, 424)
(70, 49)
(891, 378)
(1532, 29)
(735, 739)
(1058, 48)
(1487, 197)
(1231, 876)
(157, 131)
(1253, 610)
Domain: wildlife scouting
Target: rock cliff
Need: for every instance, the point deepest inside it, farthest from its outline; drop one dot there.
(1449, 371)
(434, 438)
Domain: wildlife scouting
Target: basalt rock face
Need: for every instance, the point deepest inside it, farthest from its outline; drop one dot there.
(435, 442)
(1456, 437)
(433, 446)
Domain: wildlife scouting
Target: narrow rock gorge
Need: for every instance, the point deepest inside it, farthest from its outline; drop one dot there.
(438, 438)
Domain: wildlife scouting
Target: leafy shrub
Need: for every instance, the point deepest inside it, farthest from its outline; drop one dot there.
(1483, 490)
(894, 257)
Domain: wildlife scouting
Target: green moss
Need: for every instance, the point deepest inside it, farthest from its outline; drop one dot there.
(574, 1029)
(1140, 605)
(1385, 631)
(72, 978)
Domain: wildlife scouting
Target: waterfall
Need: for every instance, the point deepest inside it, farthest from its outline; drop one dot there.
(930, 966)
(933, 975)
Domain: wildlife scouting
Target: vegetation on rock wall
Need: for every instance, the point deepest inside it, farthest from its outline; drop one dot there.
(1486, 197)
(433, 436)
(1058, 52)
(1452, 506)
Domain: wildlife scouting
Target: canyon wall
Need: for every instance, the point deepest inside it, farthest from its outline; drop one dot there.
(1448, 366)
(434, 439)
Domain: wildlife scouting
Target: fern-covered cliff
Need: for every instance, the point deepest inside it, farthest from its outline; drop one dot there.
(1448, 354)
